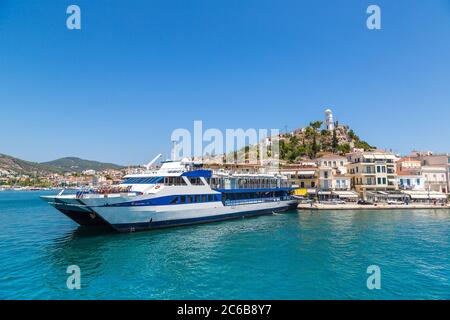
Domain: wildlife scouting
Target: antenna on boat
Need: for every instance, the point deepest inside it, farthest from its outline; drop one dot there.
(148, 165)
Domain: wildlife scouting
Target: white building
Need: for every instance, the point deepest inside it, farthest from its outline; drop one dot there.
(334, 182)
(410, 181)
(333, 173)
(435, 178)
(89, 172)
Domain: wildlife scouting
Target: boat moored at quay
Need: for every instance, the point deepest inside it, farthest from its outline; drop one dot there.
(178, 193)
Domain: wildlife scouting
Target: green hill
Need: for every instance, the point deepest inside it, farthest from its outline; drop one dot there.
(78, 165)
(14, 165)
(18, 166)
(311, 141)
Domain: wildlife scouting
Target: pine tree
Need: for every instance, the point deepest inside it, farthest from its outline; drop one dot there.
(334, 143)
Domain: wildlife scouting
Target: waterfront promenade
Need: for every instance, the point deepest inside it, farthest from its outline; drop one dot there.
(378, 206)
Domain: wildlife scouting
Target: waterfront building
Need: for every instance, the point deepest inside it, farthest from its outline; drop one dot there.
(409, 174)
(303, 176)
(372, 171)
(410, 181)
(409, 164)
(334, 181)
(435, 178)
(436, 160)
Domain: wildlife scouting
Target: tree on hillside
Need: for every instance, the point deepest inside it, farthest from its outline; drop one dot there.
(315, 148)
(316, 125)
(343, 148)
(334, 141)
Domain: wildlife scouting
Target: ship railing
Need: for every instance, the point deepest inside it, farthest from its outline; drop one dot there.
(256, 200)
(251, 186)
(103, 191)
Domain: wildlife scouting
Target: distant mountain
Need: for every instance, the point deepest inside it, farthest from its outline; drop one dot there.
(78, 165)
(14, 165)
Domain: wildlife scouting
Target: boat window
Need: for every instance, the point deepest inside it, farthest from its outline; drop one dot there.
(190, 199)
(182, 199)
(174, 200)
(195, 181)
(174, 181)
(197, 198)
(144, 180)
(210, 197)
(204, 198)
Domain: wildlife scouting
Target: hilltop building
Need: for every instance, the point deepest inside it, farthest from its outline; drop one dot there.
(329, 124)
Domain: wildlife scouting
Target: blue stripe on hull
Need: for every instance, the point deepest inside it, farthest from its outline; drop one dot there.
(130, 227)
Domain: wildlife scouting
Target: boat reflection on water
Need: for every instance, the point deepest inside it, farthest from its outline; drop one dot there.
(171, 254)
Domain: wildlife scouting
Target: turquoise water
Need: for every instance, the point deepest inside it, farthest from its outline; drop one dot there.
(297, 255)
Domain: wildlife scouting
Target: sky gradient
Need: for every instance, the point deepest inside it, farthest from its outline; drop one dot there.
(115, 90)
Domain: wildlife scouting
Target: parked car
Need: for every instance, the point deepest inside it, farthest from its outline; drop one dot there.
(364, 202)
(338, 201)
(395, 202)
(333, 201)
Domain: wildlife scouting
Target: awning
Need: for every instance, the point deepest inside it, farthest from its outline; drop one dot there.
(433, 195)
(346, 194)
(396, 195)
(306, 173)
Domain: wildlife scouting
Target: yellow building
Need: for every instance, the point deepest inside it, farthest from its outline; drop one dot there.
(304, 176)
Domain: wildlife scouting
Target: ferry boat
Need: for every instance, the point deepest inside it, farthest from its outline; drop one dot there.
(178, 193)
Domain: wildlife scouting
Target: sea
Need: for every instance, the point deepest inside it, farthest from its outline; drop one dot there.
(392, 254)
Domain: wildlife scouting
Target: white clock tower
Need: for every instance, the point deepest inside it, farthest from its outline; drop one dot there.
(329, 124)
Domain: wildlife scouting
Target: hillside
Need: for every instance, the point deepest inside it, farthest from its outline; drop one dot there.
(311, 141)
(12, 165)
(78, 165)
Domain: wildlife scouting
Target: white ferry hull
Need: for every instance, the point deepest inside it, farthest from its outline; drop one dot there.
(129, 219)
(75, 210)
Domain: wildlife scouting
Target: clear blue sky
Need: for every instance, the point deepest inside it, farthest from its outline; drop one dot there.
(137, 70)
